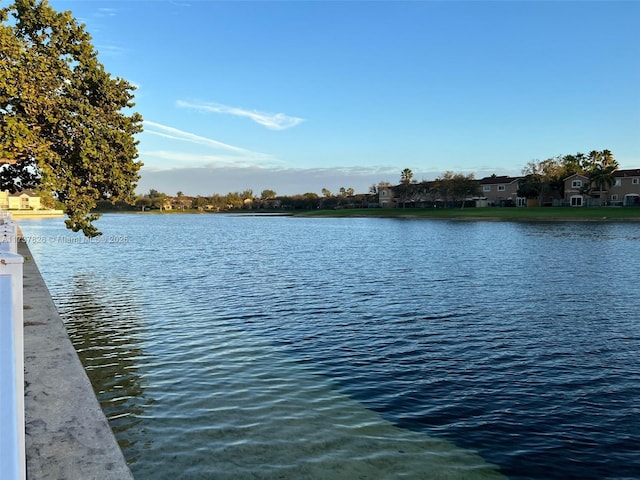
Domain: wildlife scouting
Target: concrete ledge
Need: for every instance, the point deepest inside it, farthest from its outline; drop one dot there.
(67, 434)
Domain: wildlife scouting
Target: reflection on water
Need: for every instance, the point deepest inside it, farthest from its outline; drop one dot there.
(103, 322)
(235, 347)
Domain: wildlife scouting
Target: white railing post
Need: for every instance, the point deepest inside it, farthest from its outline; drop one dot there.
(12, 433)
(9, 237)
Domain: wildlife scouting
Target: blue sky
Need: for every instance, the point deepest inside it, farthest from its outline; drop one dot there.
(297, 96)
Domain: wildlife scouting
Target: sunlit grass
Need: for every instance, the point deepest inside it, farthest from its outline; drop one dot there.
(489, 213)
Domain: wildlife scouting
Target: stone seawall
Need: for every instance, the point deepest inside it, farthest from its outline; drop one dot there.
(67, 434)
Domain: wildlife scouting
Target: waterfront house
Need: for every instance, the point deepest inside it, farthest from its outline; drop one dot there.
(385, 196)
(626, 189)
(624, 192)
(25, 200)
(501, 191)
(412, 195)
(575, 190)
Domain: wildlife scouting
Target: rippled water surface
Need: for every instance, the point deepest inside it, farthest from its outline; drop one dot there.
(234, 347)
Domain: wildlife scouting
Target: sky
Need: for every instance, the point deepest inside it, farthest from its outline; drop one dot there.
(297, 96)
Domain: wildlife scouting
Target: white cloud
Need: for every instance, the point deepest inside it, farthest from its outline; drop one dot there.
(110, 50)
(176, 134)
(106, 12)
(192, 159)
(273, 121)
(215, 153)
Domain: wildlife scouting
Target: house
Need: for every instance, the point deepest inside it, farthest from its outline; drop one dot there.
(575, 188)
(624, 192)
(25, 200)
(385, 196)
(626, 189)
(501, 191)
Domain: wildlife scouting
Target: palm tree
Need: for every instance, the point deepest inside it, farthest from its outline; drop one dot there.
(406, 176)
(607, 158)
(602, 170)
(405, 185)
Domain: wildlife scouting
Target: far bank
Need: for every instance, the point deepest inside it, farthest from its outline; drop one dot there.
(573, 214)
(566, 214)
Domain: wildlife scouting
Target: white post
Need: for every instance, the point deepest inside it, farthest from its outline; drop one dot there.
(9, 237)
(12, 433)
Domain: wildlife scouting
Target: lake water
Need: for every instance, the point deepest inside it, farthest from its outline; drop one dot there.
(235, 347)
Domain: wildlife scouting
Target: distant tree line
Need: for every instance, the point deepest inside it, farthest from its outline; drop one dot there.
(246, 200)
(540, 179)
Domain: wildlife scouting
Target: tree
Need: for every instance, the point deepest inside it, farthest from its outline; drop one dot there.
(268, 195)
(199, 202)
(602, 165)
(542, 177)
(62, 126)
(406, 176)
(156, 199)
(464, 186)
(181, 201)
(404, 189)
(456, 186)
(143, 202)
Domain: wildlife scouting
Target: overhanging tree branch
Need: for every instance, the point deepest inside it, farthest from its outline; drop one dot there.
(62, 126)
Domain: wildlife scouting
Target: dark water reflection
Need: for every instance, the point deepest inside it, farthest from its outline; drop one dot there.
(208, 338)
(104, 325)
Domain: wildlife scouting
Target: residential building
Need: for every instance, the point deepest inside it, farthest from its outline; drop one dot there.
(575, 188)
(385, 196)
(25, 200)
(501, 191)
(624, 192)
(626, 189)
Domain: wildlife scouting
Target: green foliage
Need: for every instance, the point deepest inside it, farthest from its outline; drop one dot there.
(268, 194)
(601, 167)
(406, 176)
(547, 176)
(456, 187)
(62, 126)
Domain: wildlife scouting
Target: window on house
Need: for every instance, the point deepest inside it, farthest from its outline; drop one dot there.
(501, 188)
(576, 184)
(576, 201)
(618, 182)
(635, 181)
(614, 198)
(383, 193)
(486, 188)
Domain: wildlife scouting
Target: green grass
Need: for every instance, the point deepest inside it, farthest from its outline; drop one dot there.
(489, 213)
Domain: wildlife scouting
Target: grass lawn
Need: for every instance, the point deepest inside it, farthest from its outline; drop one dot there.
(490, 213)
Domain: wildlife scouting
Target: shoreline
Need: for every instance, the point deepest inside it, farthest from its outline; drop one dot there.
(67, 433)
(493, 214)
(26, 214)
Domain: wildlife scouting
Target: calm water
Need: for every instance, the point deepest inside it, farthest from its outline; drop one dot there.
(234, 347)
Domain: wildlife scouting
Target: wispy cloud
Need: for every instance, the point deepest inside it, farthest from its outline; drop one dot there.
(273, 121)
(106, 12)
(176, 134)
(215, 154)
(110, 50)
